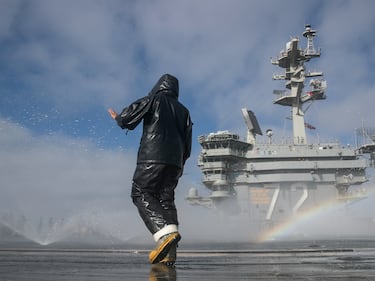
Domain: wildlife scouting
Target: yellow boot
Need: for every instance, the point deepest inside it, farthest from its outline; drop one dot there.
(170, 258)
(163, 246)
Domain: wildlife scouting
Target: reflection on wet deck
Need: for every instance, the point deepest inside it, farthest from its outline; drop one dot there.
(261, 264)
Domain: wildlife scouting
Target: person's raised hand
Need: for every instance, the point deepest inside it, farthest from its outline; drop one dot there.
(112, 113)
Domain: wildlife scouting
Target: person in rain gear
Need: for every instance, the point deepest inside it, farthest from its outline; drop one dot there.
(164, 148)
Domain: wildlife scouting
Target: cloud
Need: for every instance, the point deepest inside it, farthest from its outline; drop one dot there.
(58, 175)
(86, 54)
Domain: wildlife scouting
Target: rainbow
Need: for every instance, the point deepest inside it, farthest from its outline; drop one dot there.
(290, 227)
(310, 218)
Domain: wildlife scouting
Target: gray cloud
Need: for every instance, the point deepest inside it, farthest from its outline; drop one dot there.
(94, 52)
(60, 175)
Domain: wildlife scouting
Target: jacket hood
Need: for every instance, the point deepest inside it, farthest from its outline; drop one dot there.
(167, 83)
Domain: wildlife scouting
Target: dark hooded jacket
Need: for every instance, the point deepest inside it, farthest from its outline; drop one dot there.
(167, 127)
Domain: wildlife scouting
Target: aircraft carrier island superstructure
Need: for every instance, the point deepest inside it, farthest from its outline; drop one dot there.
(272, 181)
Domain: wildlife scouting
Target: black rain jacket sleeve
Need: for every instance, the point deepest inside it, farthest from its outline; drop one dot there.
(132, 115)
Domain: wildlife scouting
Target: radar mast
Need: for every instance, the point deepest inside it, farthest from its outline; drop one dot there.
(292, 59)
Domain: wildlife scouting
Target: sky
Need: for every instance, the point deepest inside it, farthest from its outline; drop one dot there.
(63, 63)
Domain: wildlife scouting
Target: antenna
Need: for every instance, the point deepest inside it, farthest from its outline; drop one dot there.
(252, 125)
(269, 134)
(310, 34)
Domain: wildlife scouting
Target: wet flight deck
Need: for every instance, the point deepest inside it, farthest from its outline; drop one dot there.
(339, 261)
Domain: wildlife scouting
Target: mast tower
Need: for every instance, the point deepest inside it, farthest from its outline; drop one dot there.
(292, 60)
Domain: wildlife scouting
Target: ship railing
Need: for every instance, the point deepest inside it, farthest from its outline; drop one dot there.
(334, 149)
(225, 152)
(288, 140)
(307, 165)
(213, 177)
(213, 165)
